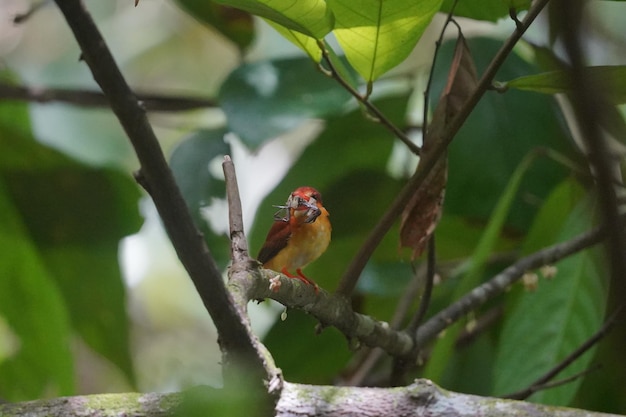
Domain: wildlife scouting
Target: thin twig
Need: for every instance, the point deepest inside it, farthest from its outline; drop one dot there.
(238, 275)
(22, 17)
(401, 366)
(431, 268)
(353, 272)
(431, 75)
(380, 117)
(234, 337)
(239, 244)
(90, 98)
(553, 384)
(499, 284)
(542, 382)
(364, 367)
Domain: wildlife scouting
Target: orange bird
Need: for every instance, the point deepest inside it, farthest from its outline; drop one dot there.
(298, 238)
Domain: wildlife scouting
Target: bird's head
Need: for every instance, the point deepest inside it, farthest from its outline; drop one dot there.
(305, 204)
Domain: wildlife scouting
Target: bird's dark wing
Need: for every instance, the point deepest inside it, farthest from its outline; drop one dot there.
(276, 240)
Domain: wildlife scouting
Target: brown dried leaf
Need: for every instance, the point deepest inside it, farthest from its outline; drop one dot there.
(422, 213)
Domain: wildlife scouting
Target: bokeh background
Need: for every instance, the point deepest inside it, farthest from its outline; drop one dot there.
(107, 303)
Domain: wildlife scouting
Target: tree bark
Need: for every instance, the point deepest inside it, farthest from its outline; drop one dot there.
(422, 398)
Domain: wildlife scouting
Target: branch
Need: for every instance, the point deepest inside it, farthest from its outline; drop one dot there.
(417, 287)
(401, 366)
(335, 310)
(431, 75)
(239, 244)
(95, 99)
(431, 261)
(329, 309)
(22, 17)
(234, 337)
(352, 274)
(380, 117)
(238, 274)
(499, 284)
(422, 398)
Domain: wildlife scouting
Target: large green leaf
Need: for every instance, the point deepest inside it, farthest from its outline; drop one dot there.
(457, 237)
(306, 43)
(265, 99)
(548, 223)
(490, 10)
(35, 313)
(236, 25)
(73, 218)
(548, 324)
(555, 82)
(310, 17)
(378, 35)
(442, 352)
(76, 217)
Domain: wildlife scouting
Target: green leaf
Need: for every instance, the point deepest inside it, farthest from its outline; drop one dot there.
(490, 10)
(35, 311)
(443, 350)
(487, 242)
(190, 163)
(73, 217)
(518, 4)
(236, 25)
(263, 100)
(310, 17)
(496, 145)
(613, 78)
(552, 216)
(74, 205)
(457, 237)
(76, 217)
(375, 280)
(378, 35)
(548, 324)
(306, 43)
(96, 299)
(473, 366)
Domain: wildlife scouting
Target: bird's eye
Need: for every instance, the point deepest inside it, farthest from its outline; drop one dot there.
(317, 196)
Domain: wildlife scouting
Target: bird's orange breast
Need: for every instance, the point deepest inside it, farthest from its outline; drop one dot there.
(306, 242)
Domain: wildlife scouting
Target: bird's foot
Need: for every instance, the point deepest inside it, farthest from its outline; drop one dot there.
(306, 280)
(302, 277)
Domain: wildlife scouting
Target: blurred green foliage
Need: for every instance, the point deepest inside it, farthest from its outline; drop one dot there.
(61, 220)
(61, 225)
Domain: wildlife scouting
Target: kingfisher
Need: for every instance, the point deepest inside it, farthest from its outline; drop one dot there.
(299, 235)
